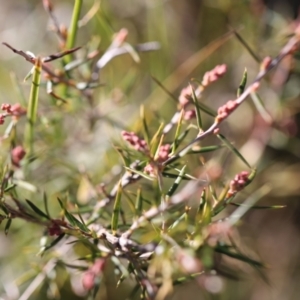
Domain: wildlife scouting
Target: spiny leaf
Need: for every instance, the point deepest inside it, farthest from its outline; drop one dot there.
(243, 83)
(177, 221)
(226, 251)
(140, 173)
(156, 140)
(7, 225)
(145, 126)
(76, 267)
(45, 199)
(260, 107)
(206, 149)
(172, 175)
(165, 89)
(198, 113)
(207, 109)
(73, 221)
(205, 211)
(52, 244)
(175, 185)
(37, 210)
(249, 202)
(10, 187)
(246, 45)
(116, 210)
(177, 133)
(124, 156)
(178, 139)
(260, 206)
(156, 155)
(232, 148)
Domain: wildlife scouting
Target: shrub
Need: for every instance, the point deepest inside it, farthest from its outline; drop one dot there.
(157, 213)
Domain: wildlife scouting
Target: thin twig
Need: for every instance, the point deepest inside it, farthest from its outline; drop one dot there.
(286, 50)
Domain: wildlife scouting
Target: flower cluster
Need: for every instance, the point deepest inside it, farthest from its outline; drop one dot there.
(137, 143)
(213, 75)
(238, 183)
(89, 277)
(15, 110)
(225, 110)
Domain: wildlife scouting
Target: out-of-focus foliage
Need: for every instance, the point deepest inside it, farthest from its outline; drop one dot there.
(77, 145)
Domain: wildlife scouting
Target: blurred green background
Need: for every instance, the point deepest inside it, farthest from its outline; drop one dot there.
(193, 39)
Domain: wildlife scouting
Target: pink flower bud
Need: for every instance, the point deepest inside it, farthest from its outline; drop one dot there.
(225, 110)
(184, 97)
(266, 63)
(121, 36)
(189, 114)
(238, 183)
(214, 74)
(6, 107)
(149, 169)
(164, 152)
(17, 110)
(17, 154)
(2, 119)
(137, 143)
(88, 280)
(188, 263)
(98, 266)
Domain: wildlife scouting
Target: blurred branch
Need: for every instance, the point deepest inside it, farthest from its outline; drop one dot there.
(288, 49)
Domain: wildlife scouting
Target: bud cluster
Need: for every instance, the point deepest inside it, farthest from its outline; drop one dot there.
(163, 153)
(189, 114)
(213, 75)
(238, 183)
(225, 110)
(185, 96)
(137, 143)
(15, 110)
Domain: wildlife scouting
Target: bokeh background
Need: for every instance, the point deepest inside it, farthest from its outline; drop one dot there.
(194, 38)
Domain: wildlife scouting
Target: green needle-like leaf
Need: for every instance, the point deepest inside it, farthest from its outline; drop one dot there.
(7, 225)
(116, 210)
(198, 113)
(243, 83)
(73, 221)
(175, 185)
(233, 149)
(145, 126)
(37, 210)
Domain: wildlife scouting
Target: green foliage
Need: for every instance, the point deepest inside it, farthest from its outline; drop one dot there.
(138, 203)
